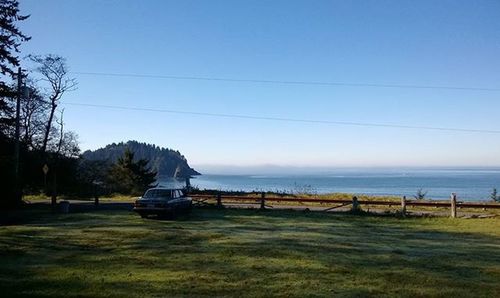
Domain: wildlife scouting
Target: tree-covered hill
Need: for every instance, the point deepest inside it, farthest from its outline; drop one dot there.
(166, 162)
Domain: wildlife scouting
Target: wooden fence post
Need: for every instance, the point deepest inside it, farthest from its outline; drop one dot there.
(453, 205)
(96, 195)
(53, 198)
(403, 206)
(263, 201)
(355, 205)
(219, 200)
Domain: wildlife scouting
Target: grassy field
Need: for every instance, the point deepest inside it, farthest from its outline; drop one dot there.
(248, 253)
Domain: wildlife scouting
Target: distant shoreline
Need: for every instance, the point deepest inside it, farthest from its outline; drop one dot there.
(470, 185)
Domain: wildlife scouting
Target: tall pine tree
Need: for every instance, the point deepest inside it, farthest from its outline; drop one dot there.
(10, 41)
(127, 176)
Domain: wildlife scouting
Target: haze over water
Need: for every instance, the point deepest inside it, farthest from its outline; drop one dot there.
(470, 185)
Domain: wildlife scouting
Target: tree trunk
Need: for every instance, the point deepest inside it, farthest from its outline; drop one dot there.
(61, 137)
(49, 122)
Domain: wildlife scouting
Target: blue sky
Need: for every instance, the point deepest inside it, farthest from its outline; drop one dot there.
(445, 43)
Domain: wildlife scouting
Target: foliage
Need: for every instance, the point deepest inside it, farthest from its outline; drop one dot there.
(61, 155)
(11, 37)
(91, 179)
(54, 71)
(129, 176)
(305, 189)
(166, 162)
(61, 178)
(7, 181)
(494, 195)
(420, 195)
(33, 116)
(10, 41)
(7, 110)
(42, 142)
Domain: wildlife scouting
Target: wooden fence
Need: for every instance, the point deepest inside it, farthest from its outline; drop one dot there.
(266, 201)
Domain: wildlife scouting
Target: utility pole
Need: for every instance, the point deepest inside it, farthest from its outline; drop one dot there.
(18, 194)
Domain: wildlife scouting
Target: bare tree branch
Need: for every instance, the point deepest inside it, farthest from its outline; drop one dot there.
(54, 71)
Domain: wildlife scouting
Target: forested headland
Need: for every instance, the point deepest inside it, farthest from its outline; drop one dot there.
(164, 161)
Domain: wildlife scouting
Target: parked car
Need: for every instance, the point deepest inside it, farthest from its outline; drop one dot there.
(163, 202)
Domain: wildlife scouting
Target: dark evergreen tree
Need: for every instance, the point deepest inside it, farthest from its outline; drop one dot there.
(7, 111)
(10, 41)
(128, 176)
(494, 195)
(10, 36)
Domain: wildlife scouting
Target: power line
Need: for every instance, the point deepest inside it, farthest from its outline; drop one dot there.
(252, 117)
(284, 82)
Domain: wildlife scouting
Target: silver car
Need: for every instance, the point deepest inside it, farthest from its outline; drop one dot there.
(163, 202)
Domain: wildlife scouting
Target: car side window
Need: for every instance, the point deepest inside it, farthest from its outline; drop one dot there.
(179, 194)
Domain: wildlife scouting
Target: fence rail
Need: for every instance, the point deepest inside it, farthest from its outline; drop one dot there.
(263, 200)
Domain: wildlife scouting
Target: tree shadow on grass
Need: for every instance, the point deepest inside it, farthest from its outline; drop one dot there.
(245, 253)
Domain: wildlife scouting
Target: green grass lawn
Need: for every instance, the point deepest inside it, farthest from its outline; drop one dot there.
(249, 253)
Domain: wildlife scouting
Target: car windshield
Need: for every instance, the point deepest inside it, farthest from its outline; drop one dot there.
(158, 193)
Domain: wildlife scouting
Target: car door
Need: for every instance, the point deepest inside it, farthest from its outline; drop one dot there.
(184, 203)
(179, 200)
(175, 200)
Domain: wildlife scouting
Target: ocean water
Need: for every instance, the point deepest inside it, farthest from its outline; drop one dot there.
(470, 185)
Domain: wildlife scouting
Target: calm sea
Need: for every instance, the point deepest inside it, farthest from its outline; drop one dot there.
(473, 185)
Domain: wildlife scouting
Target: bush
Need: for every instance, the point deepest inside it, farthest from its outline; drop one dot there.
(420, 195)
(494, 195)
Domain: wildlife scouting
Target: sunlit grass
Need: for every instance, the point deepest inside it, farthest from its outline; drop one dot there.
(41, 198)
(248, 253)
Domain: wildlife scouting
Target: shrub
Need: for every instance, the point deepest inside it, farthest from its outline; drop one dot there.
(420, 195)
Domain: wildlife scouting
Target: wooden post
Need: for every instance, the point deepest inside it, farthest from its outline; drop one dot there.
(53, 197)
(263, 201)
(403, 206)
(453, 205)
(355, 205)
(96, 195)
(219, 201)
